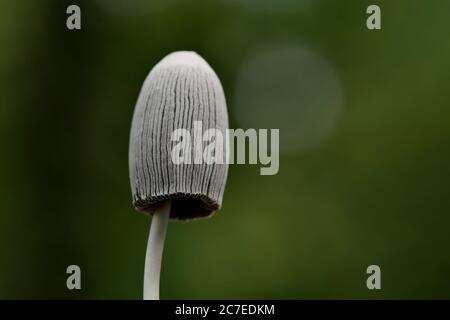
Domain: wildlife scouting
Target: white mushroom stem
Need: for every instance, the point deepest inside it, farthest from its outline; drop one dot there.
(154, 253)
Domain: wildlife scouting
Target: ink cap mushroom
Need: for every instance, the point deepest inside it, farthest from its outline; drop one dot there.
(178, 150)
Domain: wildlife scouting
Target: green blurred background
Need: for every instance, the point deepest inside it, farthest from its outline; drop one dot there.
(364, 163)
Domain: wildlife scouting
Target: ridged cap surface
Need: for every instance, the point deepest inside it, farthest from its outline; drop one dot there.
(181, 89)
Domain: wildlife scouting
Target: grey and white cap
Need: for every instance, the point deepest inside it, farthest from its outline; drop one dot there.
(180, 90)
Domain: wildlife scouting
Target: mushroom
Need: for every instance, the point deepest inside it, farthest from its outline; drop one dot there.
(179, 92)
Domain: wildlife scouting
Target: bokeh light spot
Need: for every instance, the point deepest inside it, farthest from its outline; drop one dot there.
(290, 88)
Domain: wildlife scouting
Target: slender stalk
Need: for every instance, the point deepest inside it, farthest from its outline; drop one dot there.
(154, 253)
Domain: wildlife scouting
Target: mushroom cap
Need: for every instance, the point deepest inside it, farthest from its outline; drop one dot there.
(180, 90)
